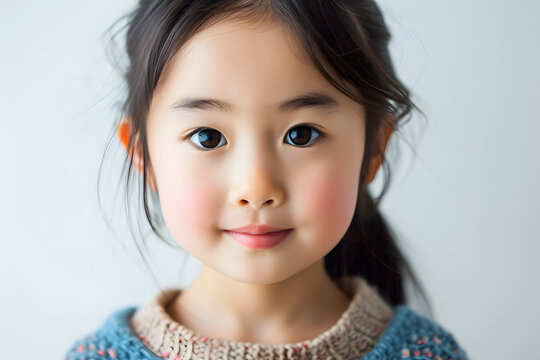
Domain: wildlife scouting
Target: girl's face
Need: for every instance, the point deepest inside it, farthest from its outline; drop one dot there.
(295, 166)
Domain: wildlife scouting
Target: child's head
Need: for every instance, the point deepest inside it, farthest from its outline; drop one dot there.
(255, 111)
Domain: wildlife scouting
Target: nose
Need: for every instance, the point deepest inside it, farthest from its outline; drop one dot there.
(259, 185)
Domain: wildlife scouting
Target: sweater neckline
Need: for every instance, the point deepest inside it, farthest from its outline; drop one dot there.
(354, 334)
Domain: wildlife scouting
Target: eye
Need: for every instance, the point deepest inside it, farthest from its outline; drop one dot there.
(206, 137)
(301, 135)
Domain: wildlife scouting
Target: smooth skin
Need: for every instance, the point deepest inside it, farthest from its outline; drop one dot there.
(254, 173)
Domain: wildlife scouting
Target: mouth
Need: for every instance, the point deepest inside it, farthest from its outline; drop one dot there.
(260, 241)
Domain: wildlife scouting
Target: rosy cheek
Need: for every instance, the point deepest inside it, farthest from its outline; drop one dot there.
(186, 205)
(329, 203)
(319, 195)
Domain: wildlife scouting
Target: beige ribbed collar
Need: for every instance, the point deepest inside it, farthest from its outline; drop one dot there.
(355, 333)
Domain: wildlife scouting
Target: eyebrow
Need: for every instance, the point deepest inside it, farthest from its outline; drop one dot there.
(313, 99)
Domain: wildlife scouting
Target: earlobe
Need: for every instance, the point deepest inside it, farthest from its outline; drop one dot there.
(124, 133)
(376, 162)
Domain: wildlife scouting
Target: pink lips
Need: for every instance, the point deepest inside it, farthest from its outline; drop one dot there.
(259, 236)
(257, 229)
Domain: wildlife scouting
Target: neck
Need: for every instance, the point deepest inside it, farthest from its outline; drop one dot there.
(306, 301)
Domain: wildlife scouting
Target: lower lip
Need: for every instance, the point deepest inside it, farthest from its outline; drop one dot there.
(260, 241)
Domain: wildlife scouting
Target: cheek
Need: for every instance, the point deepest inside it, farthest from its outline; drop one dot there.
(186, 203)
(330, 201)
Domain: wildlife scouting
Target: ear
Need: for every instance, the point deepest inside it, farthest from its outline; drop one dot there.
(383, 138)
(124, 133)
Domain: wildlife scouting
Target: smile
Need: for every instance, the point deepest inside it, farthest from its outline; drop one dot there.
(260, 241)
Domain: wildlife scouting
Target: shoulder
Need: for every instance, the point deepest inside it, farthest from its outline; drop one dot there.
(411, 335)
(114, 339)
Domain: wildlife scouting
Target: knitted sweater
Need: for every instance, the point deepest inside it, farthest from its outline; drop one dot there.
(369, 329)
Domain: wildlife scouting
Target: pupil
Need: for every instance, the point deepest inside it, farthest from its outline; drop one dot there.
(301, 133)
(208, 135)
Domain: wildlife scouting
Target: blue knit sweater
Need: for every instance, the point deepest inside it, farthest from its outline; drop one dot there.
(408, 335)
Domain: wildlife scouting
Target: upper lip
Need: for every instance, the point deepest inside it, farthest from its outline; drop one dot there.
(257, 229)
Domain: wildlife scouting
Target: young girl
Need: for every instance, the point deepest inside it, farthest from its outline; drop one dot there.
(257, 125)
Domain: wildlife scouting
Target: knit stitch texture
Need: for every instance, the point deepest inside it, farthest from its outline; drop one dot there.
(369, 330)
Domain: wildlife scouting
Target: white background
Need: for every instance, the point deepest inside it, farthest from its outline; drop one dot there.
(463, 198)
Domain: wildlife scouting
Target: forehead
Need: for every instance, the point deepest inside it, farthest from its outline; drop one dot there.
(260, 63)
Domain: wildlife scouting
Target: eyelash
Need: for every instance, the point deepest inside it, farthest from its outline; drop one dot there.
(319, 133)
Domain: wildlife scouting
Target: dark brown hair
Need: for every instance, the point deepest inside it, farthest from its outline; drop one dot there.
(345, 39)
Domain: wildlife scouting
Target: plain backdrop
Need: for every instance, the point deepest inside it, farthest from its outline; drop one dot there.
(464, 197)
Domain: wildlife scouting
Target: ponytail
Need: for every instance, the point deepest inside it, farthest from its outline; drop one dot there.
(368, 249)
